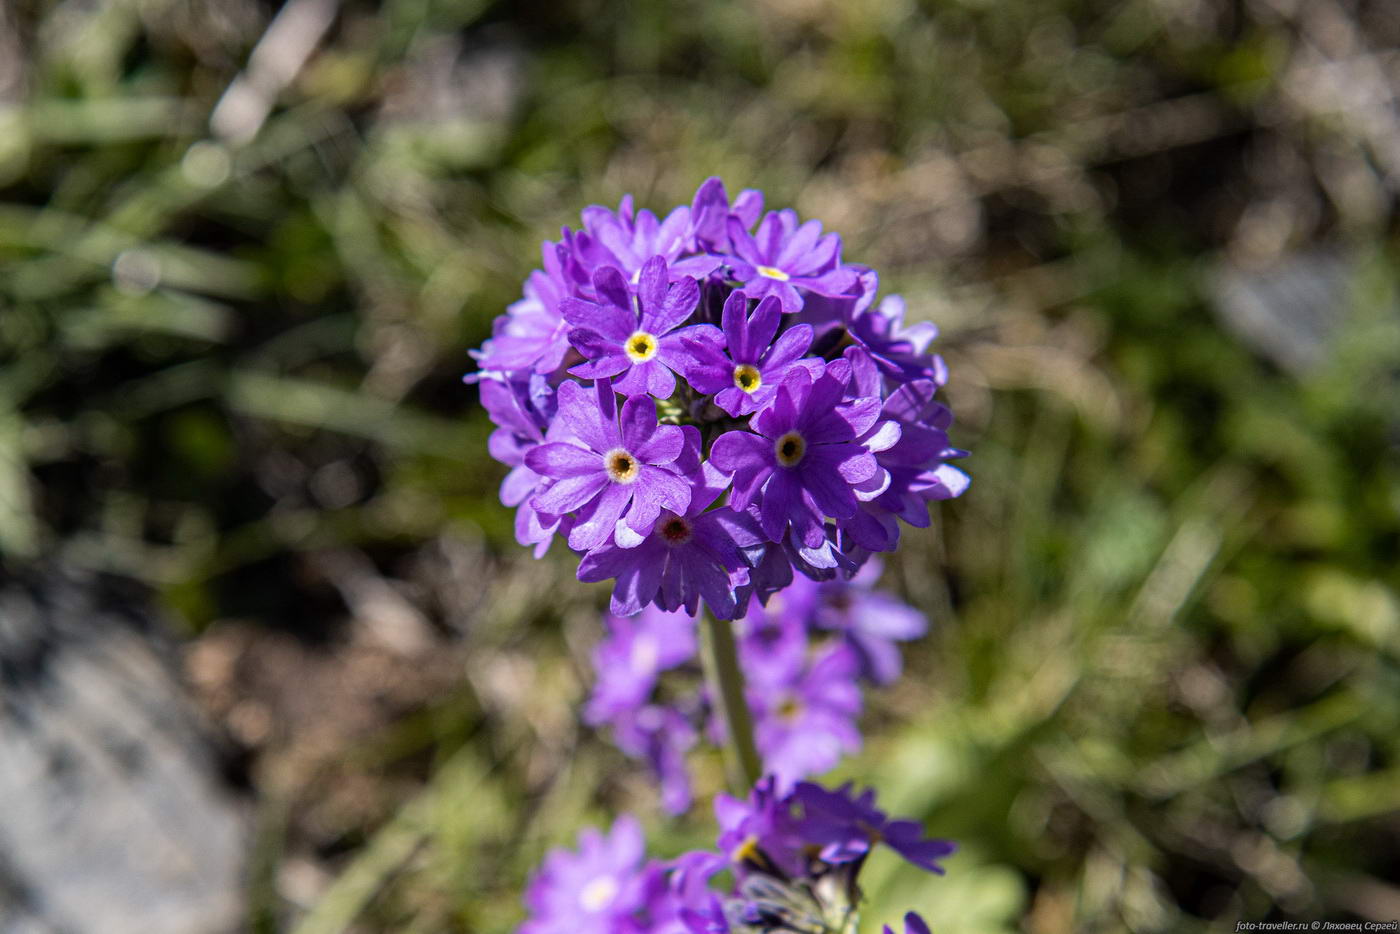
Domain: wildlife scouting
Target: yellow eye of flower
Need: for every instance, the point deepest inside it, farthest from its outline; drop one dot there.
(790, 448)
(641, 347)
(773, 272)
(747, 377)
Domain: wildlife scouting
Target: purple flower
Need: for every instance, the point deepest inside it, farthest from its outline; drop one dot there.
(900, 352)
(710, 213)
(685, 903)
(846, 828)
(760, 832)
(781, 257)
(522, 409)
(917, 468)
(660, 736)
(689, 555)
(594, 891)
(804, 461)
(773, 639)
(635, 652)
(644, 345)
(532, 334)
(913, 924)
(747, 377)
(609, 463)
(805, 721)
(872, 621)
(627, 240)
(829, 313)
(834, 453)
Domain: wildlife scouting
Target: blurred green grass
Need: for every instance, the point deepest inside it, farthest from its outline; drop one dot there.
(1164, 687)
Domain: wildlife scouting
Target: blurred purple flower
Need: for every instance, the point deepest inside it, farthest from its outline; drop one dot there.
(760, 832)
(660, 736)
(805, 720)
(871, 621)
(629, 660)
(595, 890)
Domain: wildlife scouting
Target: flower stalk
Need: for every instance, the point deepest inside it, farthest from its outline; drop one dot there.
(720, 657)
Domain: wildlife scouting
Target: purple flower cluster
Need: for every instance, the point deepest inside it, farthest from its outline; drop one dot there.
(792, 860)
(772, 415)
(805, 656)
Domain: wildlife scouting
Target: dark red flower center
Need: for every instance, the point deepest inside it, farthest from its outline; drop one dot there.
(675, 531)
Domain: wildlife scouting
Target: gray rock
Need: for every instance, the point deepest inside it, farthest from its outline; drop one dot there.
(1287, 310)
(113, 814)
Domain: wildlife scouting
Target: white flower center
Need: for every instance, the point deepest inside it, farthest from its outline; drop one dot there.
(598, 894)
(773, 272)
(621, 466)
(644, 655)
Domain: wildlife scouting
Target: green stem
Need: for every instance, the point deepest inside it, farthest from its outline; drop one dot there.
(721, 660)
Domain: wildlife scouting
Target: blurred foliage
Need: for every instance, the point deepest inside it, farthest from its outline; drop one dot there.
(241, 261)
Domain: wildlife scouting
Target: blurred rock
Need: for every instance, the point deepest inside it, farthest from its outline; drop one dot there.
(115, 816)
(1288, 309)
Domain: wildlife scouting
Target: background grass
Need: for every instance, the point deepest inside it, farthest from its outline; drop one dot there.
(1163, 689)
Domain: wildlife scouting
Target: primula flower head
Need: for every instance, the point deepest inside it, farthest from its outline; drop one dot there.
(702, 320)
(779, 881)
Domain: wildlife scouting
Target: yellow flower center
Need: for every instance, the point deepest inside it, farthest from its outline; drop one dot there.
(641, 347)
(789, 449)
(747, 377)
(747, 850)
(773, 272)
(621, 466)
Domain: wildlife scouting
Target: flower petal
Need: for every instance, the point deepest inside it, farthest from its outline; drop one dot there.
(561, 459)
(597, 526)
(570, 493)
